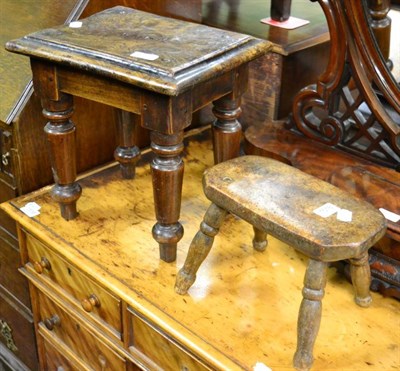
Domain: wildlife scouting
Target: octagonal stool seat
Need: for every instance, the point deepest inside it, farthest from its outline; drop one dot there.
(321, 221)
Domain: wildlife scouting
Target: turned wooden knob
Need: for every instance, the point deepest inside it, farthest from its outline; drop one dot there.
(51, 322)
(90, 302)
(43, 264)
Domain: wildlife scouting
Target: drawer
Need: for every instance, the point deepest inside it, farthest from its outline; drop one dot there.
(148, 341)
(88, 295)
(54, 360)
(83, 341)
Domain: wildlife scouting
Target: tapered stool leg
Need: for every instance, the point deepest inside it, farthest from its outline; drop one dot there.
(260, 241)
(361, 278)
(199, 248)
(310, 314)
(60, 132)
(167, 175)
(127, 153)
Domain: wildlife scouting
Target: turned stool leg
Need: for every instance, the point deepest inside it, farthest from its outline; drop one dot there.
(199, 248)
(310, 313)
(60, 132)
(361, 278)
(260, 241)
(167, 174)
(227, 131)
(127, 153)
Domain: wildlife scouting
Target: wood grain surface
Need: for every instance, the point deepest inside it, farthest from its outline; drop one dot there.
(243, 308)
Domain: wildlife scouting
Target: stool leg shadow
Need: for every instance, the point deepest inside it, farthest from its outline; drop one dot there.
(361, 278)
(310, 314)
(199, 248)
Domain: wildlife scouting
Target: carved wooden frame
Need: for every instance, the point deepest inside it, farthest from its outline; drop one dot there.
(344, 108)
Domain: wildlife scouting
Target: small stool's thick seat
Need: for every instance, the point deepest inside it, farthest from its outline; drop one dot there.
(160, 69)
(281, 200)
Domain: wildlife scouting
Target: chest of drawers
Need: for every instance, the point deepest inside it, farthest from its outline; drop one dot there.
(82, 324)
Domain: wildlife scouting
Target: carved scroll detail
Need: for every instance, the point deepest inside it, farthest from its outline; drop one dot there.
(355, 105)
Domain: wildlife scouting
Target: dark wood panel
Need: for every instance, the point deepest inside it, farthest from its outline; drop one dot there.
(21, 324)
(10, 278)
(183, 9)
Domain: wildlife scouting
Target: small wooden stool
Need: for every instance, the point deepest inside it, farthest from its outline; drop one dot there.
(159, 68)
(279, 199)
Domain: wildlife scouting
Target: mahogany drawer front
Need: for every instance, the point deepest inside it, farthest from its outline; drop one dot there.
(148, 340)
(72, 332)
(88, 295)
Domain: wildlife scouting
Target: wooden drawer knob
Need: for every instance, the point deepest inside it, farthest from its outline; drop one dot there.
(90, 302)
(43, 264)
(51, 322)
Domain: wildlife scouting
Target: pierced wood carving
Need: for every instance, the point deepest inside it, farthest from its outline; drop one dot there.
(355, 105)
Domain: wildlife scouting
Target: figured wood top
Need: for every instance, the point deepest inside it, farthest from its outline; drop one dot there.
(281, 200)
(184, 53)
(17, 18)
(242, 309)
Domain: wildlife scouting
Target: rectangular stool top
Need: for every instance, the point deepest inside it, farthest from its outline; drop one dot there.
(282, 200)
(157, 53)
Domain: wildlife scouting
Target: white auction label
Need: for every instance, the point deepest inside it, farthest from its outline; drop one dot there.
(147, 56)
(389, 215)
(31, 209)
(75, 24)
(326, 210)
(344, 215)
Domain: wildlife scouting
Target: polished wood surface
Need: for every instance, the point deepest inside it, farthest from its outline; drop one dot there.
(97, 61)
(229, 318)
(244, 16)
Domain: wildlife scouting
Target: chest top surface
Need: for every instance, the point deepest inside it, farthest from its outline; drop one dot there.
(132, 46)
(241, 312)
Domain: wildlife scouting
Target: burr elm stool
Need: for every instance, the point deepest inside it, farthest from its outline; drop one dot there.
(280, 200)
(157, 68)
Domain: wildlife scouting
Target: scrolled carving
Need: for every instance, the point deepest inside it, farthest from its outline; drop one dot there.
(322, 126)
(354, 105)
